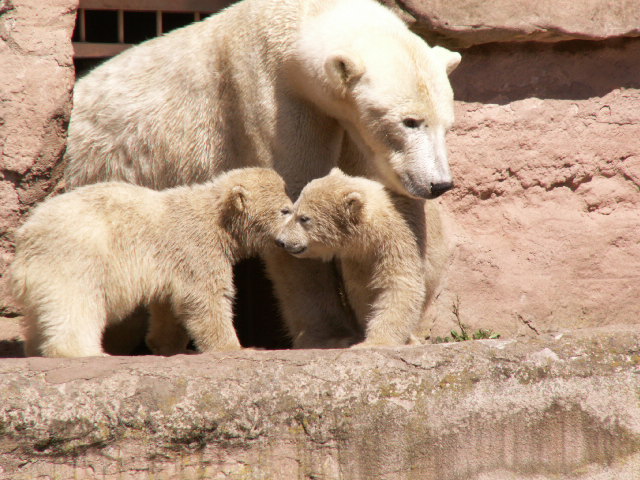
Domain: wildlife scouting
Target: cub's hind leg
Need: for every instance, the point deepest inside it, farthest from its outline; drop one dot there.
(32, 335)
(67, 326)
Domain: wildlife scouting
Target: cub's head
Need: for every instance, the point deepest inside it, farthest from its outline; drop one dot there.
(327, 216)
(255, 201)
(391, 92)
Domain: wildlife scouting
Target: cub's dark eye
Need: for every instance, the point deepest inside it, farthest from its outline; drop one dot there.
(285, 211)
(412, 122)
(304, 219)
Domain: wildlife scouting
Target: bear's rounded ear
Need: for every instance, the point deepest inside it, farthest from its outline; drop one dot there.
(336, 172)
(450, 59)
(344, 69)
(354, 204)
(238, 197)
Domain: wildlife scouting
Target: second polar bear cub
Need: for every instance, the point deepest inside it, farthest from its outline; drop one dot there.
(88, 257)
(379, 244)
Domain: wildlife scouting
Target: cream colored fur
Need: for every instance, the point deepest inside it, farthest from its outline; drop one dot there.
(296, 85)
(379, 238)
(87, 258)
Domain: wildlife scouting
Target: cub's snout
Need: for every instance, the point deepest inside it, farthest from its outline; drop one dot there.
(294, 248)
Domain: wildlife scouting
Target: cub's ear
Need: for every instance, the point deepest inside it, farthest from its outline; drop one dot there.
(344, 69)
(450, 59)
(354, 203)
(335, 171)
(238, 197)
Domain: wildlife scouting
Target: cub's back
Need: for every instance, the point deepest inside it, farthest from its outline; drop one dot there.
(87, 216)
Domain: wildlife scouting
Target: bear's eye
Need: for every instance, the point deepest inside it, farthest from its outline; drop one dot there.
(412, 122)
(304, 219)
(285, 211)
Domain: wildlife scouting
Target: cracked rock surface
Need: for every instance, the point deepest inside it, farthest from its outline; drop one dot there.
(493, 409)
(36, 79)
(544, 217)
(544, 228)
(463, 23)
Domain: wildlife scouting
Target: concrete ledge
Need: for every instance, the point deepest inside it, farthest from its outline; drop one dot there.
(493, 409)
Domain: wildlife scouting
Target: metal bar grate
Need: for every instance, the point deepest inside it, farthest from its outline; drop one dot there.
(96, 36)
(158, 23)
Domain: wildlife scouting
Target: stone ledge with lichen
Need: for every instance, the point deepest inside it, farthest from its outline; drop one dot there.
(490, 409)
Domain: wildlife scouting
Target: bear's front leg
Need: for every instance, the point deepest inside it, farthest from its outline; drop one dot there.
(396, 311)
(307, 291)
(207, 314)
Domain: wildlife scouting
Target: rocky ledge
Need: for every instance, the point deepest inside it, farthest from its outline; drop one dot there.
(565, 404)
(463, 23)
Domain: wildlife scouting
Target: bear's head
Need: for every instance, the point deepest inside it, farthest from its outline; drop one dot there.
(392, 94)
(255, 205)
(328, 215)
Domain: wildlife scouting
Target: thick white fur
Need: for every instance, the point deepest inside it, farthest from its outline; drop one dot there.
(296, 85)
(87, 258)
(380, 246)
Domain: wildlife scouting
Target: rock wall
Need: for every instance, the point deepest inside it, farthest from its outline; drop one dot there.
(539, 409)
(544, 152)
(544, 225)
(36, 79)
(463, 23)
(544, 221)
(545, 216)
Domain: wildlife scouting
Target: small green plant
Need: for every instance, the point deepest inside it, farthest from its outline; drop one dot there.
(463, 334)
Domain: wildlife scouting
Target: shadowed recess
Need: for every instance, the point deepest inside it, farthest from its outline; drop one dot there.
(573, 70)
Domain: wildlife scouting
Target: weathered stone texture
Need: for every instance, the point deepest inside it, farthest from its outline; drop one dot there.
(545, 216)
(36, 79)
(462, 23)
(544, 221)
(537, 409)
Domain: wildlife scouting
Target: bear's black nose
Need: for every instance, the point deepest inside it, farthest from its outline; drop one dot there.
(438, 189)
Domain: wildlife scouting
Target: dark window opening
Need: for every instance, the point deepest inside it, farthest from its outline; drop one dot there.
(85, 65)
(101, 26)
(171, 21)
(139, 26)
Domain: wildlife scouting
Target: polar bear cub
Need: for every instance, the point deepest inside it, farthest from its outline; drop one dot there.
(373, 233)
(88, 257)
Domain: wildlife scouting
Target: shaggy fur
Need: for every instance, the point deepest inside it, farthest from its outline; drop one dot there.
(380, 246)
(296, 85)
(87, 258)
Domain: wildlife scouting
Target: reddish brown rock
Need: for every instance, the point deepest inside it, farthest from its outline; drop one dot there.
(546, 213)
(545, 228)
(36, 79)
(540, 409)
(544, 219)
(462, 23)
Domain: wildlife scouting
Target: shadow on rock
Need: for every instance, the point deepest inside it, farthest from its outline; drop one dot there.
(573, 70)
(11, 348)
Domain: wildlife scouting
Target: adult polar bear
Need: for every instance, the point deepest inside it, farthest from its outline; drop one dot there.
(297, 85)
